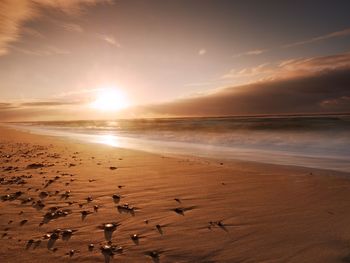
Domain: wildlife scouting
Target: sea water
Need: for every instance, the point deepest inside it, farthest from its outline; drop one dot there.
(310, 141)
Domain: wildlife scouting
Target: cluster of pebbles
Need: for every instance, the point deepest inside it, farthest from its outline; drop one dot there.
(51, 187)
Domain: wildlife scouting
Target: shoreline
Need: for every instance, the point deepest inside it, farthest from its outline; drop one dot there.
(186, 150)
(208, 211)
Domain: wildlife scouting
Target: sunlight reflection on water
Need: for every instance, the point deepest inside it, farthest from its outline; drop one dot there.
(110, 140)
(270, 151)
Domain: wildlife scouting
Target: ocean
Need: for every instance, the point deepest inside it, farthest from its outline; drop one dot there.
(310, 141)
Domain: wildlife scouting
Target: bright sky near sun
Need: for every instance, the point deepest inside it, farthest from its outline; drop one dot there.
(110, 99)
(109, 55)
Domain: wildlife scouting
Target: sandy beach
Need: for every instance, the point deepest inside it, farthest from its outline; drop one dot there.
(168, 131)
(66, 201)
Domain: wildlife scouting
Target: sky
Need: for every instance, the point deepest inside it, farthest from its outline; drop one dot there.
(72, 59)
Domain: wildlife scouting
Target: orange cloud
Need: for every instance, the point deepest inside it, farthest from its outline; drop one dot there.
(250, 53)
(307, 85)
(72, 27)
(334, 104)
(110, 40)
(322, 93)
(14, 14)
(292, 67)
(342, 33)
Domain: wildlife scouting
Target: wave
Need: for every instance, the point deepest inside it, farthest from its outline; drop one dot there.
(311, 141)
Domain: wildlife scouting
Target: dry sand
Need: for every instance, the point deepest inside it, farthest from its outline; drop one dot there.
(207, 211)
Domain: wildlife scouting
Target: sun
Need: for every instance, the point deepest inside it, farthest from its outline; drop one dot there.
(110, 99)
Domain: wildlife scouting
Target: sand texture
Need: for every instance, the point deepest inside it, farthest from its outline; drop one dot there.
(65, 201)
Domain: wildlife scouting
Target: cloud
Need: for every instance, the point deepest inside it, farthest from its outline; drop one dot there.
(250, 53)
(202, 52)
(336, 34)
(72, 27)
(66, 6)
(6, 106)
(317, 63)
(291, 68)
(302, 85)
(324, 92)
(342, 33)
(32, 32)
(67, 105)
(36, 110)
(48, 110)
(249, 72)
(46, 51)
(77, 93)
(333, 104)
(110, 40)
(314, 85)
(33, 113)
(46, 103)
(14, 14)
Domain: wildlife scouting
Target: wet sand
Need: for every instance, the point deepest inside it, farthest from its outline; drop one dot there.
(66, 201)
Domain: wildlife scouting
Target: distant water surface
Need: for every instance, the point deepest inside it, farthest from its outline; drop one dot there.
(310, 141)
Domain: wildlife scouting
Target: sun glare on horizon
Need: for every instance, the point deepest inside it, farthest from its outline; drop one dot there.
(110, 99)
